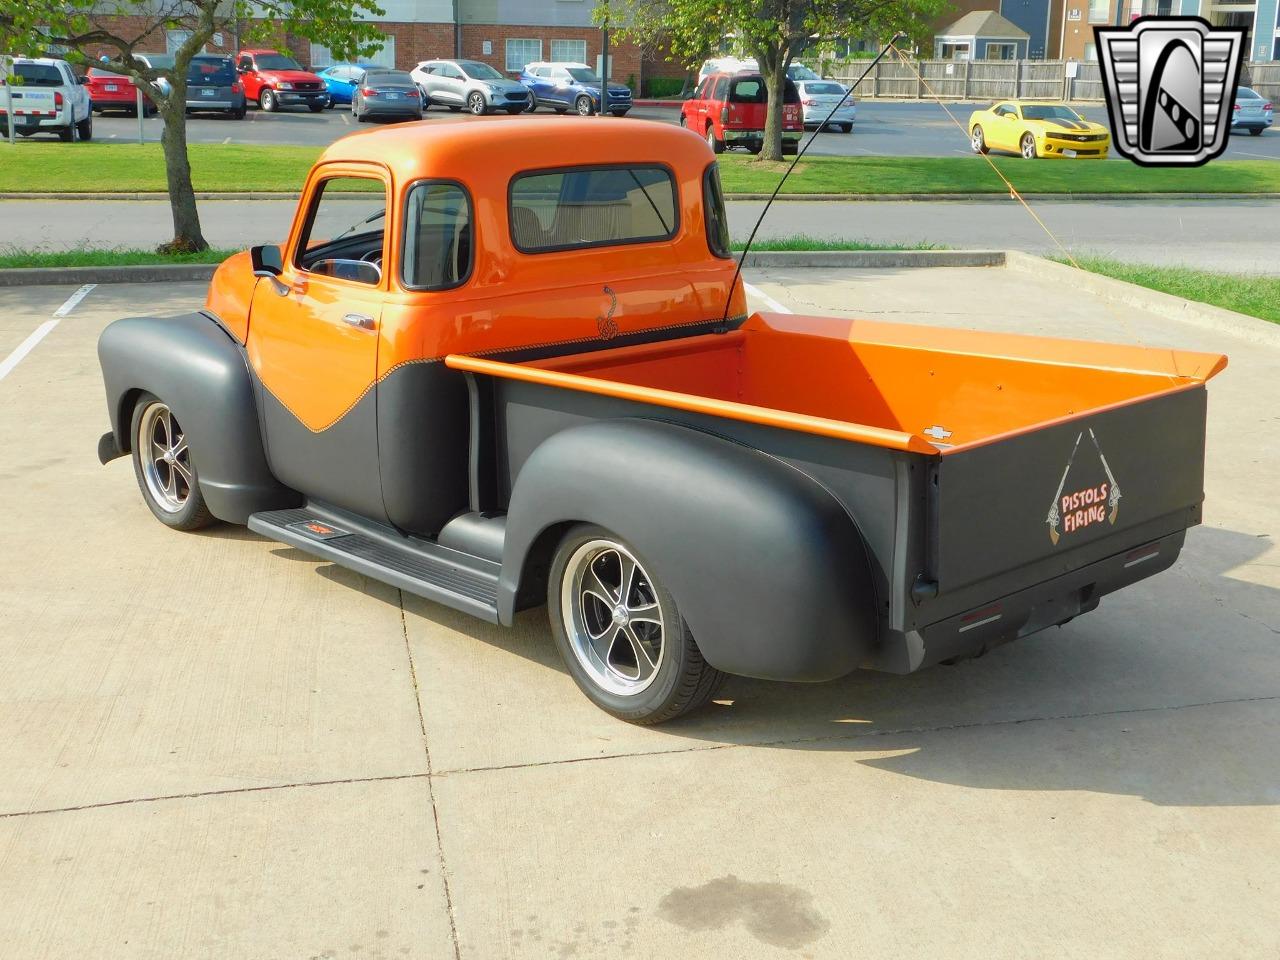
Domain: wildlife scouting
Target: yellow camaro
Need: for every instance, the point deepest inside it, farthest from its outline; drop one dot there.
(1036, 129)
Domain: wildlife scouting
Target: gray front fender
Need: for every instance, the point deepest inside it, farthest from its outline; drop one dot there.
(192, 364)
(769, 571)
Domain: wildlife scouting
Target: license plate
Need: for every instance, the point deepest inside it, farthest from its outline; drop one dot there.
(112, 88)
(1068, 153)
(208, 93)
(392, 96)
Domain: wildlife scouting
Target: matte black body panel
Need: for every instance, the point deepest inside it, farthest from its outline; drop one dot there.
(192, 364)
(769, 571)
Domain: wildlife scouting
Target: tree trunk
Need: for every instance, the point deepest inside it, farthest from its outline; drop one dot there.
(775, 78)
(187, 237)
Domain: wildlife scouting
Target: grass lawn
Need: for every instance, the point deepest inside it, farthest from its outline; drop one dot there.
(1256, 296)
(131, 168)
(12, 258)
(800, 241)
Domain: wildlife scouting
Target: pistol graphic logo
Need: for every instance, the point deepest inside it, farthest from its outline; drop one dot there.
(605, 323)
(1083, 506)
(1171, 86)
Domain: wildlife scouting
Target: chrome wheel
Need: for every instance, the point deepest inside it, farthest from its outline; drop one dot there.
(475, 103)
(978, 141)
(584, 106)
(1028, 147)
(612, 617)
(166, 459)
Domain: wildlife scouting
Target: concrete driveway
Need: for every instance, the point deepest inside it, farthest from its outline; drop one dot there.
(214, 746)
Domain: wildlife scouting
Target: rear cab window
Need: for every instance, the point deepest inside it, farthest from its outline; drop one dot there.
(39, 74)
(438, 250)
(714, 212)
(579, 207)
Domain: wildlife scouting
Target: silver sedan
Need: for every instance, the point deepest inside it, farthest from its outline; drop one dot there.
(386, 93)
(818, 97)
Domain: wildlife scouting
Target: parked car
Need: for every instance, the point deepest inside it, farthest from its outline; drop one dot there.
(729, 109)
(111, 91)
(340, 80)
(214, 85)
(519, 368)
(49, 98)
(572, 86)
(1038, 129)
(819, 97)
(468, 83)
(1252, 112)
(274, 80)
(386, 93)
(158, 61)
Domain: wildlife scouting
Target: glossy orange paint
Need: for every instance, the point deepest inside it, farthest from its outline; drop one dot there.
(511, 300)
(872, 382)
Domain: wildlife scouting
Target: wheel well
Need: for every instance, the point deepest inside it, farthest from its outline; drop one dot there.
(127, 403)
(532, 591)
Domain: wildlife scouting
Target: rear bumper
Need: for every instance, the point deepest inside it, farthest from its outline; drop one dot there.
(1028, 611)
(215, 104)
(405, 108)
(294, 97)
(1251, 123)
(757, 136)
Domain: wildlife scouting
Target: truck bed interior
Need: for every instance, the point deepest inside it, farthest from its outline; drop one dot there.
(897, 385)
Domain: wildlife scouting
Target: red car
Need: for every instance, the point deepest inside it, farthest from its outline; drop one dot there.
(110, 91)
(729, 110)
(275, 80)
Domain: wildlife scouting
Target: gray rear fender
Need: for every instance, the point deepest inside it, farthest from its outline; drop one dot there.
(196, 367)
(768, 569)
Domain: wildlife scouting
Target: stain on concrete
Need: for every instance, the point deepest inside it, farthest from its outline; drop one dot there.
(774, 913)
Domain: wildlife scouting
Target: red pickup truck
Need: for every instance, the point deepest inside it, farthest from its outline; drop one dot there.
(274, 80)
(497, 365)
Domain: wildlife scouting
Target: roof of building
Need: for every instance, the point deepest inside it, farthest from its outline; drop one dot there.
(984, 23)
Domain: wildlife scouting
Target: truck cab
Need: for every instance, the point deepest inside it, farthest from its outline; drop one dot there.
(498, 365)
(46, 96)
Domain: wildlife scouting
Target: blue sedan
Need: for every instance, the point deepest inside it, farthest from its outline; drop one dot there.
(341, 80)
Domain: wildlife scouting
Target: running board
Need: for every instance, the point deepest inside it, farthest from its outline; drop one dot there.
(420, 567)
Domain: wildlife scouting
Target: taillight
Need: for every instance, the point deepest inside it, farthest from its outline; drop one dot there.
(1236, 107)
(236, 88)
(1266, 106)
(810, 103)
(57, 100)
(368, 92)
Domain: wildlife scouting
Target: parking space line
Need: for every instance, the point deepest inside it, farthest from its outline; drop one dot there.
(26, 346)
(768, 301)
(345, 119)
(1246, 153)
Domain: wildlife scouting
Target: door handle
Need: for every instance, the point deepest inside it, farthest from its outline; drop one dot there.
(363, 321)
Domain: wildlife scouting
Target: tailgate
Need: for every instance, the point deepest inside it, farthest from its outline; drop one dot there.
(1063, 495)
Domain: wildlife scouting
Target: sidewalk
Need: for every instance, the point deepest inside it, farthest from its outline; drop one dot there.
(216, 747)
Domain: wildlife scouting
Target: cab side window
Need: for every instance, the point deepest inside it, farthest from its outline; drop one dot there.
(438, 242)
(344, 233)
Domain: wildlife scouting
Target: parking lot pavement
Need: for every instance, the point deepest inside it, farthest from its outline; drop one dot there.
(883, 129)
(1228, 235)
(215, 746)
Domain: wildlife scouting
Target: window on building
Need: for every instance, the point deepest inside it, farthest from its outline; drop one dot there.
(953, 51)
(1090, 53)
(568, 51)
(1099, 11)
(520, 51)
(1002, 51)
(601, 206)
(437, 237)
(320, 56)
(173, 39)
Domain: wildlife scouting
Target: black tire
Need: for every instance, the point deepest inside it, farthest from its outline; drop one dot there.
(67, 134)
(562, 110)
(1255, 131)
(476, 105)
(684, 121)
(978, 140)
(455, 109)
(84, 129)
(790, 148)
(424, 97)
(533, 103)
(584, 106)
(192, 513)
(316, 107)
(239, 114)
(716, 145)
(680, 681)
(754, 148)
(1027, 147)
(267, 100)
(846, 128)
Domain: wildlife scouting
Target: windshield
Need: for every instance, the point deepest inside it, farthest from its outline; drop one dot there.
(157, 61)
(276, 61)
(1244, 93)
(798, 71)
(479, 71)
(38, 74)
(1043, 112)
(355, 227)
(388, 78)
(583, 75)
(824, 89)
(211, 71)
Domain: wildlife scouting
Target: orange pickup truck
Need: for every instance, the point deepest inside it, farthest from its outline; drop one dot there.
(500, 364)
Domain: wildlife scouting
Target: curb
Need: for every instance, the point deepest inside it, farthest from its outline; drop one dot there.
(675, 104)
(1162, 304)
(788, 197)
(876, 259)
(141, 273)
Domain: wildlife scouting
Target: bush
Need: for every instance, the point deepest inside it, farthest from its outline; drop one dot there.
(664, 86)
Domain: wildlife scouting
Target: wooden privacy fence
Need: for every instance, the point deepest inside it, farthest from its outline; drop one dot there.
(1002, 79)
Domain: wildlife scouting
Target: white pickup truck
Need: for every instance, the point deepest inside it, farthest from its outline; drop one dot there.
(45, 96)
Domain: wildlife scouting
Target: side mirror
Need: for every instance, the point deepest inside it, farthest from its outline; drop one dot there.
(268, 262)
(83, 81)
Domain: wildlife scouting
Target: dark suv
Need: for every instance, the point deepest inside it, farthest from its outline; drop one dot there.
(572, 86)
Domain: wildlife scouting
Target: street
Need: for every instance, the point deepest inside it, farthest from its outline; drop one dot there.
(883, 129)
(215, 746)
(1228, 235)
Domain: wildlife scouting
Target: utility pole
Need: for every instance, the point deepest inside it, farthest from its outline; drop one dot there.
(604, 62)
(457, 29)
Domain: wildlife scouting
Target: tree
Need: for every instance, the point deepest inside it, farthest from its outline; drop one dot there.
(109, 33)
(774, 32)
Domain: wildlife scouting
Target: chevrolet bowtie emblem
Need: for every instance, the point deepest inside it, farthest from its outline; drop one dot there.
(1171, 85)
